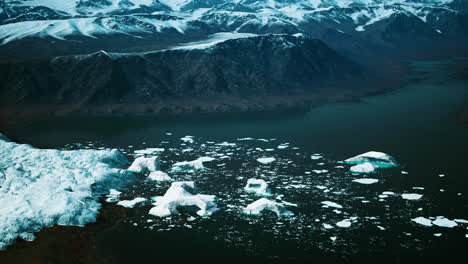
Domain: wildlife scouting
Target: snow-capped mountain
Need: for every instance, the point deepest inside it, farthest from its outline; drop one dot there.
(138, 25)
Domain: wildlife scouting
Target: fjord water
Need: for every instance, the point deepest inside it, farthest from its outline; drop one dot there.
(415, 124)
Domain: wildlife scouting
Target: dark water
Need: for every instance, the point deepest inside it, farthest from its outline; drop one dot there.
(415, 124)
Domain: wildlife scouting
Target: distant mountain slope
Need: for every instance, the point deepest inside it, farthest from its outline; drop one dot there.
(246, 66)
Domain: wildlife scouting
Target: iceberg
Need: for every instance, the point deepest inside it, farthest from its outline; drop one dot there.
(132, 203)
(159, 176)
(266, 160)
(264, 204)
(257, 186)
(191, 166)
(142, 164)
(369, 161)
(46, 187)
(183, 195)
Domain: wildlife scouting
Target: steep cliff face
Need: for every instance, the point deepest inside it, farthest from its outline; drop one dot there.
(259, 65)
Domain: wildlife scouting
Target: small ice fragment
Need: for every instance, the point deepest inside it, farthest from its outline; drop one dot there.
(411, 196)
(159, 176)
(327, 226)
(316, 157)
(131, 203)
(331, 204)
(344, 223)
(187, 139)
(441, 175)
(438, 234)
(404, 172)
(266, 160)
(190, 166)
(263, 204)
(366, 181)
(461, 221)
(113, 196)
(148, 150)
(370, 161)
(333, 238)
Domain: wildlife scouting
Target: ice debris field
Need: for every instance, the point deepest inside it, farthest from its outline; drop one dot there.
(230, 187)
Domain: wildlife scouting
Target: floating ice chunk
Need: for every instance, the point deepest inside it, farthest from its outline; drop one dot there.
(331, 204)
(132, 203)
(159, 176)
(438, 234)
(316, 156)
(320, 187)
(333, 238)
(461, 221)
(388, 193)
(344, 223)
(422, 221)
(113, 196)
(366, 167)
(366, 181)
(142, 164)
(378, 160)
(227, 144)
(283, 146)
(245, 139)
(411, 196)
(263, 204)
(190, 166)
(444, 222)
(187, 139)
(327, 226)
(257, 186)
(46, 187)
(183, 195)
(266, 160)
(148, 151)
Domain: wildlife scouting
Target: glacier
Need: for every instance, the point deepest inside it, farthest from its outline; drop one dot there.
(46, 187)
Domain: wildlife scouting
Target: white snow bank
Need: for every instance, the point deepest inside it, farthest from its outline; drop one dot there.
(142, 164)
(411, 196)
(370, 161)
(257, 186)
(159, 176)
(46, 187)
(366, 181)
(132, 203)
(183, 195)
(190, 166)
(266, 160)
(263, 204)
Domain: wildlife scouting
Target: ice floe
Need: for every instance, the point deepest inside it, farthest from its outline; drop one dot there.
(187, 139)
(46, 187)
(264, 204)
(183, 195)
(131, 203)
(344, 223)
(422, 221)
(148, 151)
(366, 167)
(159, 176)
(444, 222)
(266, 160)
(411, 196)
(257, 186)
(331, 204)
(142, 164)
(366, 181)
